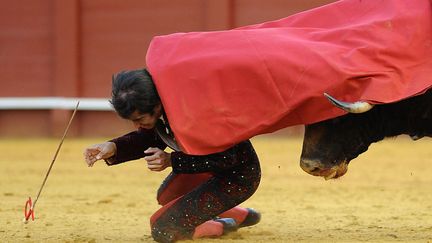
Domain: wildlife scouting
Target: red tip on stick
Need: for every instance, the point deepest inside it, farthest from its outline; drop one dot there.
(29, 212)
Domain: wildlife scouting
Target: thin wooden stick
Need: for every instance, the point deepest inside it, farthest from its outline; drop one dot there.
(53, 160)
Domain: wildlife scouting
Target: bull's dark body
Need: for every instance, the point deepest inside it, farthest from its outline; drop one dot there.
(339, 140)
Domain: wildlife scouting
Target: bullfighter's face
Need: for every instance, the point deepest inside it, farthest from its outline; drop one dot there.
(146, 120)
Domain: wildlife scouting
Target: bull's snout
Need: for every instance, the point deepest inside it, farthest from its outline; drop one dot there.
(310, 167)
(316, 168)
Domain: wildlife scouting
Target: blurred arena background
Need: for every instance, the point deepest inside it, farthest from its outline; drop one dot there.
(53, 52)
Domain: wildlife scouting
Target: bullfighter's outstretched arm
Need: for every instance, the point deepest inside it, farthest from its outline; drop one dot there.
(131, 146)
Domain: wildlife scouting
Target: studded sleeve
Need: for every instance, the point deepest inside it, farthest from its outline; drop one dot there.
(132, 145)
(190, 164)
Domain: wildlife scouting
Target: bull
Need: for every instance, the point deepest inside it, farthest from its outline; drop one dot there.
(330, 145)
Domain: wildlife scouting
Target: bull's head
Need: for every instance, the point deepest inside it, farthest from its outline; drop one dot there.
(328, 146)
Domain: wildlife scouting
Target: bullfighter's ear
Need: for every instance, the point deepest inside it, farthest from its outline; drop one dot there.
(416, 136)
(356, 107)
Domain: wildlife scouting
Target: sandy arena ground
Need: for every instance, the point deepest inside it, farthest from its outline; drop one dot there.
(386, 196)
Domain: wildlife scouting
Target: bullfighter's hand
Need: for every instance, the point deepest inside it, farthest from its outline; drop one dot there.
(159, 160)
(99, 151)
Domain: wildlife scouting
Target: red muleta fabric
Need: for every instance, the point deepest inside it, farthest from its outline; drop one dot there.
(219, 88)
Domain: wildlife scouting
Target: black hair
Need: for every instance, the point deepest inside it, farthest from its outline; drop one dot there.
(134, 90)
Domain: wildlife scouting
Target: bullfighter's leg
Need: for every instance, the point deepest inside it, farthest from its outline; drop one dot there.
(176, 185)
(191, 215)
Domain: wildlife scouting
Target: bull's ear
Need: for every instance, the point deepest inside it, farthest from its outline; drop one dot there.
(356, 107)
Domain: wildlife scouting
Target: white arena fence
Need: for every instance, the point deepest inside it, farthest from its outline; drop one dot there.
(54, 103)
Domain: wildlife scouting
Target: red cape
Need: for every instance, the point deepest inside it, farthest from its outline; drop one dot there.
(219, 88)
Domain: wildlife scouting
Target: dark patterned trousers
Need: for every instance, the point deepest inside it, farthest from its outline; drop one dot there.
(204, 195)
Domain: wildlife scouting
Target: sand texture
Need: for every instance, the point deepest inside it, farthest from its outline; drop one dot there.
(386, 196)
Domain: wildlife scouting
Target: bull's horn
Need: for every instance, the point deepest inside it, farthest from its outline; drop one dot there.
(356, 107)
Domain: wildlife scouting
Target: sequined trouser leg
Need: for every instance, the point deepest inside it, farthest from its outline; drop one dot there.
(176, 185)
(226, 189)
